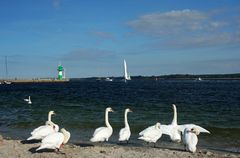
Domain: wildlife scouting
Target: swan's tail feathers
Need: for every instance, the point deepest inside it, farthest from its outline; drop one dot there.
(31, 138)
(123, 139)
(93, 139)
(40, 148)
(142, 138)
(141, 133)
(34, 138)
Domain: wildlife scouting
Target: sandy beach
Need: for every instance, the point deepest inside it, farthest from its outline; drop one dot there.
(21, 149)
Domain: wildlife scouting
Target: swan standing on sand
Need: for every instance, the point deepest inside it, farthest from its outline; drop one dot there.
(48, 122)
(174, 130)
(190, 139)
(43, 131)
(151, 134)
(55, 140)
(28, 100)
(125, 132)
(102, 134)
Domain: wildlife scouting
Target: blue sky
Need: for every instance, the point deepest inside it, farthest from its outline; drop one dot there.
(91, 38)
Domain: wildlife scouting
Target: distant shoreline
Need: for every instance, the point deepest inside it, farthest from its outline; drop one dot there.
(34, 80)
(202, 77)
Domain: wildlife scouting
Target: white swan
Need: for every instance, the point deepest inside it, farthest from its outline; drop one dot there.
(125, 132)
(48, 122)
(28, 100)
(55, 140)
(151, 134)
(174, 130)
(190, 139)
(43, 131)
(102, 134)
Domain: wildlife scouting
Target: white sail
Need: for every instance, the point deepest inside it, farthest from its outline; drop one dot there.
(126, 76)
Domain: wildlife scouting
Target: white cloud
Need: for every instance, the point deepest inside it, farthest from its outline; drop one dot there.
(170, 22)
(187, 28)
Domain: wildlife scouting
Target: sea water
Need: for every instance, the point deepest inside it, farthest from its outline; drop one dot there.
(80, 106)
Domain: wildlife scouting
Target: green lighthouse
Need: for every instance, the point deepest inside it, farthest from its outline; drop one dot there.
(60, 72)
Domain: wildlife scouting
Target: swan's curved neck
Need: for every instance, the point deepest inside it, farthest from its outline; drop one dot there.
(106, 120)
(126, 120)
(174, 121)
(49, 117)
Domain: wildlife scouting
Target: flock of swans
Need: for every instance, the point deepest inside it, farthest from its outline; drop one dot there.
(53, 139)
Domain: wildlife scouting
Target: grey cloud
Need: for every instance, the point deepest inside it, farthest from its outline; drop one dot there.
(217, 66)
(56, 4)
(103, 35)
(203, 40)
(91, 54)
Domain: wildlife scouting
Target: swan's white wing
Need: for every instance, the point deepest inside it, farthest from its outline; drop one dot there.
(101, 134)
(53, 138)
(166, 129)
(41, 133)
(147, 129)
(37, 129)
(26, 100)
(52, 141)
(124, 134)
(151, 135)
(97, 130)
(199, 128)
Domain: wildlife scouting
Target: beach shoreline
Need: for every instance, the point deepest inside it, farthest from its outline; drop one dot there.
(23, 149)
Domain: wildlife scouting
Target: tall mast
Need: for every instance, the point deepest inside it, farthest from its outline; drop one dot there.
(125, 70)
(6, 67)
(126, 76)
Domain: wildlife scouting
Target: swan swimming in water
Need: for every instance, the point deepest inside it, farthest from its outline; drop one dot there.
(125, 132)
(190, 139)
(151, 134)
(55, 140)
(102, 134)
(43, 131)
(28, 100)
(174, 130)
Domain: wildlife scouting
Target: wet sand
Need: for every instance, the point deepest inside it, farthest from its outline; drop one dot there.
(22, 149)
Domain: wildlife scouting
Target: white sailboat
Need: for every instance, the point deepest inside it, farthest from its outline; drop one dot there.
(126, 76)
(6, 66)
